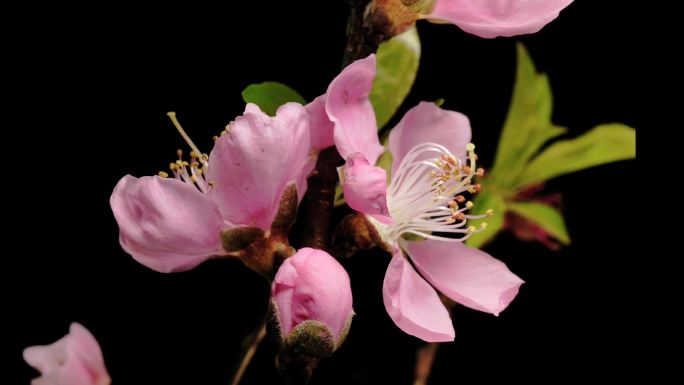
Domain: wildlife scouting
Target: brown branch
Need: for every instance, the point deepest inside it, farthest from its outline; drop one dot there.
(317, 206)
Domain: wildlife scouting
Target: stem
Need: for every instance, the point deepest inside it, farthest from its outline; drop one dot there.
(248, 352)
(425, 357)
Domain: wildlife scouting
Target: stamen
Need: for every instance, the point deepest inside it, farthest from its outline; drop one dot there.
(176, 123)
(189, 172)
(438, 206)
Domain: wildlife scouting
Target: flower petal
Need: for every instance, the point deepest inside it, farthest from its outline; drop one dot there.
(468, 276)
(254, 162)
(76, 359)
(165, 224)
(492, 18)
(428, 123)
(351, 111)
(365, 187)
(413, 304)
(321, 127)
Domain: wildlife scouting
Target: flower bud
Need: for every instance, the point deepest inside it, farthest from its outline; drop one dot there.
(311, 304)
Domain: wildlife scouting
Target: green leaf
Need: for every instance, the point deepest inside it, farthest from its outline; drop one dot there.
(528, 123)
(544, 216)
(397, 64)
(603, 144)
(485, 200)
(270, 95)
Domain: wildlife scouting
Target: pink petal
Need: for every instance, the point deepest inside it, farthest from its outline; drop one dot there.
(253, 164)
(312, 285)
(165, 224)
(492, 18)
(76, 359)
(352, 113)
(413, 304)
(320, 125)
(428, 123)
(468, 276)
(365, 187)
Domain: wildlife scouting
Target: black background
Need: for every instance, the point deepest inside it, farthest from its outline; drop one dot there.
(89, 97)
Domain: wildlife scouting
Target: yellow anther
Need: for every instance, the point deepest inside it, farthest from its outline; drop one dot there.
(472, 189)
(193, 154)
(193, 178)
(163, 174)
(483, 225)
(469, 205)
(172, 166)
(215, 138)
(472, 229)
(490, 213)
(470, 147)
(179, 152)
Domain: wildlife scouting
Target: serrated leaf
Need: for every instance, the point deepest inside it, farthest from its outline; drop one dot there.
(543, 216)
(485, 200)
(602, 144)
(396, 68)
(270, 95)
(528, 123)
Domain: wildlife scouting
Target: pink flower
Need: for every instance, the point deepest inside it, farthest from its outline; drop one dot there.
(311, 286)
(492, 18)
(76, 359)
(174, 224)
(424, 199)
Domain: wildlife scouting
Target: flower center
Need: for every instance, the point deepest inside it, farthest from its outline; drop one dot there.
(192, 172)
(425, 197)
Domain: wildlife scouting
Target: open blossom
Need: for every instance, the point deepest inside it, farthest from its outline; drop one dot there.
(312, 289)
(76, 359)
(425, 199)
(174, 224)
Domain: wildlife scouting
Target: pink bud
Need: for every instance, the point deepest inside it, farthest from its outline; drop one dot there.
(76, 359)
(311, 294)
